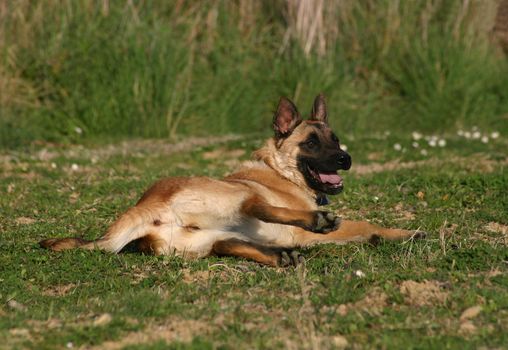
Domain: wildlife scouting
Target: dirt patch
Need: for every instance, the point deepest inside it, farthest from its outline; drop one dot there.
(196, 276)
(17, 306)
(403, 213)
(17, 336)
(423, 293)
(373, 303)
(171, 330)
(497, 228)
(89, 320)
(42, 326)
(467, 328)
(470, 313)
(59, 290)
(140, 148)
(102, 320)
(222, 153)
(24, 220)
(316, 341)
(493, 233)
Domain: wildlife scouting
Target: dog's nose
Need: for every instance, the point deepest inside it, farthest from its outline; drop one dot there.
(344, 161)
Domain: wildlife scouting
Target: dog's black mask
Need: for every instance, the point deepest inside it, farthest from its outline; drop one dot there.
(319, 160)
(320, 155)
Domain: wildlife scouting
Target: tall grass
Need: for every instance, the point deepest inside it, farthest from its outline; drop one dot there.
(165, 69)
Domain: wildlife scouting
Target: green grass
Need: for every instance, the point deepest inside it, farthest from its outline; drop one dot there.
(454, 193)
(115, 69)
(95, 72)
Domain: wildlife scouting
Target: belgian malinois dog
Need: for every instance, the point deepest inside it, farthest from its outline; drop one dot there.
(261, 212)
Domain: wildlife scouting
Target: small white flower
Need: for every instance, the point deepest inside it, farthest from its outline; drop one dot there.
(344, 147)
(69, 345)
(74, 167)
(432, 143)
(441, 143)
(397, 147)
(460, 132)
(415, 144)
(359, 273)
(475, 128)
(375, 198)
(485, 139)
(387, 133)
(416, 135)
(78, 130)
(494, 134)
(477, 135)
(467, 135)
(53, 165)
(424, 152)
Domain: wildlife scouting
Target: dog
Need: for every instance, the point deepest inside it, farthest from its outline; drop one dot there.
(262, 212)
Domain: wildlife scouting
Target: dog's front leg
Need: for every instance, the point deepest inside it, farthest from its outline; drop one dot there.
(317, 221)
(357, 231)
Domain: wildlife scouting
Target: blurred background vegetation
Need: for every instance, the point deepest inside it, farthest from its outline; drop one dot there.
(95, 70)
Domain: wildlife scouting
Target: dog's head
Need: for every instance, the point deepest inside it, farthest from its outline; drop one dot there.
(310, 146)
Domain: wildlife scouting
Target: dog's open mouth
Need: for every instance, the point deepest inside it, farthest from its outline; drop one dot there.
(331, 179)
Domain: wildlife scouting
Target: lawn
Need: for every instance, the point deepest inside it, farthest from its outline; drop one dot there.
(449, 290)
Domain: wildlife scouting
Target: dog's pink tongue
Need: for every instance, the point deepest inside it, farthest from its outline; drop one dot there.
(331, 178)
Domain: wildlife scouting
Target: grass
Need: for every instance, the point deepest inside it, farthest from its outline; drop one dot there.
(393, 295)
(78, 77)
(95, 71)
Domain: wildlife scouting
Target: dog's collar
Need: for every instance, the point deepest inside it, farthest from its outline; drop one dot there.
(322, 199)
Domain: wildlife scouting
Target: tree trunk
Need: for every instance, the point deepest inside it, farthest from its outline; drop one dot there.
(501, 25)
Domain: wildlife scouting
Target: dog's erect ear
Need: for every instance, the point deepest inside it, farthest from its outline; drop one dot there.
(286, 119)
(319, 109)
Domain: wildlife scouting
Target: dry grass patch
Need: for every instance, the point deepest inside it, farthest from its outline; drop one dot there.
(59, 290)
(497, 228)
(196, 276)
(169, 331)
(22, 220)
(222, 153)
(373, 304)
(132, 148)
(426, 293)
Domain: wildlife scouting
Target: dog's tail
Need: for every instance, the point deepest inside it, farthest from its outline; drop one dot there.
(132, 225)
(58, 244)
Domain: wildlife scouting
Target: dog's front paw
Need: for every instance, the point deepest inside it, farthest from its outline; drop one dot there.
(419, 234)
(325, 221)
(294, 258)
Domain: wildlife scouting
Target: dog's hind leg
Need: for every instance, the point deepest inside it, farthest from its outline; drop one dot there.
(264, 255)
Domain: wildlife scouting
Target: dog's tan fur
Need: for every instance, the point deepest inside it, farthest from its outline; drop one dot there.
(259, 212)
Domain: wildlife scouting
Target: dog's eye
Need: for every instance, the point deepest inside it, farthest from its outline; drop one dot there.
(311, 144)
(334, 138)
